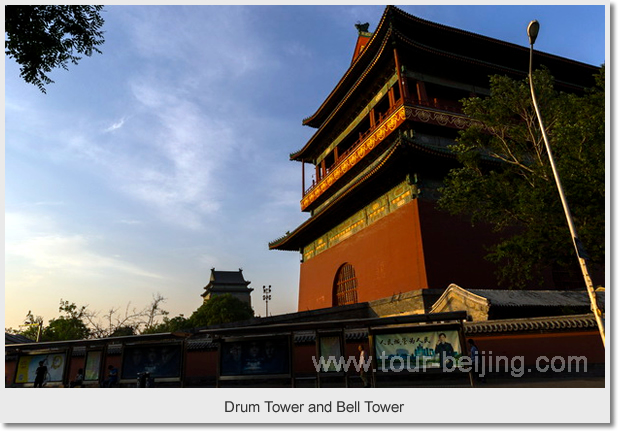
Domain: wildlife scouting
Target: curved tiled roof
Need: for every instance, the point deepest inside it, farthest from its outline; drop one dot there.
(16, 339)
(537, 298)
(445, 42)
(280, 244)
(359, 64)
(201, 344)
(558, 323)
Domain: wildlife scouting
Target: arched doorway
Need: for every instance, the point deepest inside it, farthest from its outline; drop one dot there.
(345, 288)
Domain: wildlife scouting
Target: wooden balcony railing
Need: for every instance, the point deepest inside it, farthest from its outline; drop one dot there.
(385, 124)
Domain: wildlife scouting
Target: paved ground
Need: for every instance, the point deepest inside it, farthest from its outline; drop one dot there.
(590, 382)
(462, 381)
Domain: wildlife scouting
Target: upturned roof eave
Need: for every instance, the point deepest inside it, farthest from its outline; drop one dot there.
(280, 243)
(374, 44)
(378, 34)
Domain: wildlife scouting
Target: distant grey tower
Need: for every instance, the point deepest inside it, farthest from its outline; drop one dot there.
(232, 282)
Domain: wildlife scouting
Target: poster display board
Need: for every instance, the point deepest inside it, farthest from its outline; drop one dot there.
(161, 361)
(330, 347)
(260, 356)
(93, 365)
(435, 349)
(27, 365)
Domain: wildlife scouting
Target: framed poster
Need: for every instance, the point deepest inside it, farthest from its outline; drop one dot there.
(161, 361)
(27, 365)
(436, 349)
(260, 356)
(330, 347)
(93, 365)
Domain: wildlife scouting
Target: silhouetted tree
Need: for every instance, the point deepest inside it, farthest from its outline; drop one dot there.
(506, 178)
(42, 38)
(224, 308)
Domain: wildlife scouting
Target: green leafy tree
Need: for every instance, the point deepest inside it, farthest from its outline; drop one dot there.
(42, 38)
(224, 308)
(81, 323)
(506, 179)
(32, 327)
(123, 331)
(70, 326)
(178, 323)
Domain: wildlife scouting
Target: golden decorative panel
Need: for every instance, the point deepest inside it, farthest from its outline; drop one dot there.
(384, 205)
(385, 129)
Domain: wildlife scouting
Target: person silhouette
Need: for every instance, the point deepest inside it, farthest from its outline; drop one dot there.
(40, 374)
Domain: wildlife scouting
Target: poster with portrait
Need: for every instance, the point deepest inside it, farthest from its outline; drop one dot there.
(161, 361)
(264, 356)
(330, 347)
(93, 365)
(27, 365)
(417, 350)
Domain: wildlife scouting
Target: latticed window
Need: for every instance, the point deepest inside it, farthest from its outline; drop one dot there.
(344, 291)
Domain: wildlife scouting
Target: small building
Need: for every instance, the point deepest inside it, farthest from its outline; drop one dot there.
(492, 304)
(232, 282)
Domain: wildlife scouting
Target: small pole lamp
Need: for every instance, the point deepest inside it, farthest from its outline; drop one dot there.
(39, 326)
(266, 296)
(533, 32)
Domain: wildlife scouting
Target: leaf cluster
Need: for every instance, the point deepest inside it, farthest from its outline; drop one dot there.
(42, 38)
(506, 179)
(76, 323)
(224, 308)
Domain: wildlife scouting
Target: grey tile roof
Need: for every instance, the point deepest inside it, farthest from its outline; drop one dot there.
(538, 298)
(557, 323)
(201, 344)
(227, 277)
(15, 339)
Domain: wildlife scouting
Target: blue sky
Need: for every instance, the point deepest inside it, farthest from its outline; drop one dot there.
(167, 155)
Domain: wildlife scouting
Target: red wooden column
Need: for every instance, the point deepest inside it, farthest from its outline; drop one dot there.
(403, 87)
(303, 191)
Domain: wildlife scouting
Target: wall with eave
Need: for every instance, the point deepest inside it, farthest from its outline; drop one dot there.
(75, 364)
(201, 363)
(387, 257)
(303, 358)
(533, 346)
(10, 368)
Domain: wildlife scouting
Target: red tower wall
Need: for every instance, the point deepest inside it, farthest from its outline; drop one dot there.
(454, 250)
(387, 257)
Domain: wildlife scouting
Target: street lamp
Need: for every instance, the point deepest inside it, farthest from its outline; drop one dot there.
(533, 32)
(39, 326)
(266, 296)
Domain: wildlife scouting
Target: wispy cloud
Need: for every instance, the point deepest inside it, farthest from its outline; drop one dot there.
(116, 125)
(48, 203)
(192, 127)
(47, 249)
(184, 136)
(129, 222)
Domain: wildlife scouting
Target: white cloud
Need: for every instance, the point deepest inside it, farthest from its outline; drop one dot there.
(129, 222)
(36, 240)
(189, 132)
(116, 125)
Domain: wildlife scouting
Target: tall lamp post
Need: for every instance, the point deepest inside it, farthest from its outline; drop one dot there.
(266, 296)
(39, 326)
(533, 32)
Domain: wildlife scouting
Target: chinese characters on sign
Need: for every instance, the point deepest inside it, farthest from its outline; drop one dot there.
(431, 349)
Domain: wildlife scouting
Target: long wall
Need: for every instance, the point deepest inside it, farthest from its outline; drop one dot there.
(200, 367)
